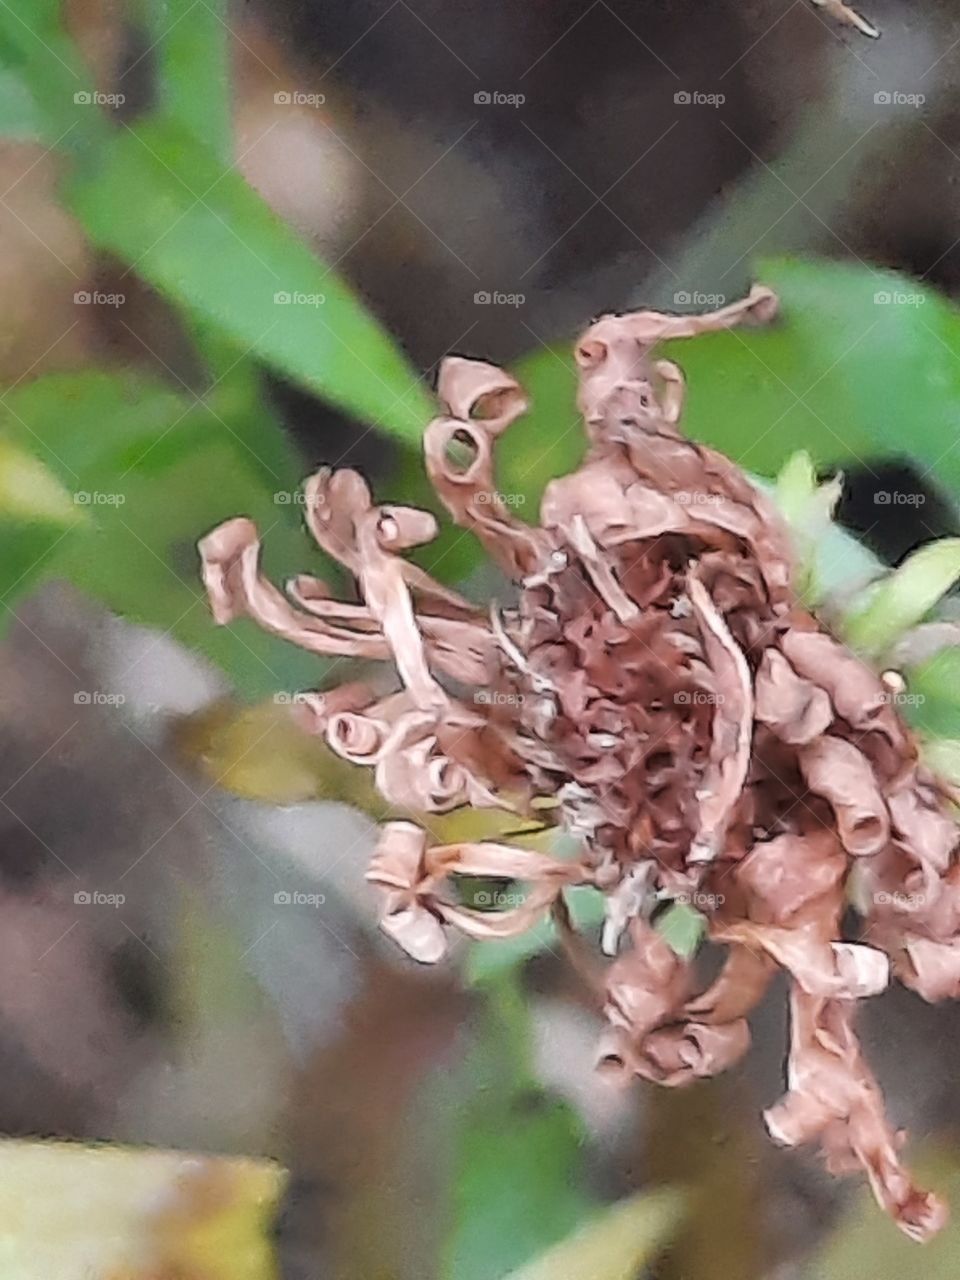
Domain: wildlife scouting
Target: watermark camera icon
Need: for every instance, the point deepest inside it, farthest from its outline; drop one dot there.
(282, 898)
(883, 97)
(82, 898)
(482, 98)
(682, 98)
(283, 98)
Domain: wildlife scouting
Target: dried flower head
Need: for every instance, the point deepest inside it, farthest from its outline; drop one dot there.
(657, 692)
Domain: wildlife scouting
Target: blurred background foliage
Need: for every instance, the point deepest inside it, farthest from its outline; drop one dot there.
(284, 299)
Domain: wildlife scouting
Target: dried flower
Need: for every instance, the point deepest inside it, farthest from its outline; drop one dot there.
(657, 692)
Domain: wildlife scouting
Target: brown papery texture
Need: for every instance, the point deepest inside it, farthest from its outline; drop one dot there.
(658, 694)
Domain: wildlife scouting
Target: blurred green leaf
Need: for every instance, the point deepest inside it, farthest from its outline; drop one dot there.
(36, 514)
(21, 118)
(682, 927)
(140, 559)
(615, 1245)
(28, 491)
(902, 598)
(151, 471)
(807, 506)
(516, 1183)
(36, 51)
(163, 202)
(942, 755)
(192, 67)
(933, 704)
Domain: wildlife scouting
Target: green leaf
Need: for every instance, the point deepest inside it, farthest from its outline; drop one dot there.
(615, 1245)
(933, 704)
(29, 492)
(682, 927)
(51, 101)
(942, 755)
(140, 559)
(152, 471)
(20, 116)
(36, 514)
(516, 1184)
(192, 67)
(902, 598)
(164, 203)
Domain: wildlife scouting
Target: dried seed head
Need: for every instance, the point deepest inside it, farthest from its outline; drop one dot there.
(658, 691)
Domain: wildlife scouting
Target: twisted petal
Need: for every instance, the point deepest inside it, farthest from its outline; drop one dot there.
(833, 1096)
(795, 709)
(732, 726)
(838, 771)
(819, 965)
(410, 874)
(483, 401)
(230, 556)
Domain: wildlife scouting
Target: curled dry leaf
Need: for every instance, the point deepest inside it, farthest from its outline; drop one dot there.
(658, 692)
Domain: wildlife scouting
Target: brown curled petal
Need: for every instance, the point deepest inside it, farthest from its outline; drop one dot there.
(358, 738)
(613, 513)
(600, 572)
(848, 17)
(470, 494)
(462, 648)
(737, 988)
(693, 1051)
(474, 389)
(920, 822)
(388, 597)
(417, 775)
(726, 772)
(792, 877)
(930, 968)
(314, 709)
(838, 771)
(231, 573)
(613, 350)
(647, 984)
(671, 400)
(834, 1097)
(365, 736)
(617, 1058)
(796, 710)
(487, 926)
(467, 651)
(415, 929)
(820, 966)
(396, 868)
(502, 861)
(313, 595)
(857, 692)
(403, 779)
(334, 501)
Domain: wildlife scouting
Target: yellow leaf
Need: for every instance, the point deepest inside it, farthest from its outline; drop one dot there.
(614, 1245)
(74, 1212)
